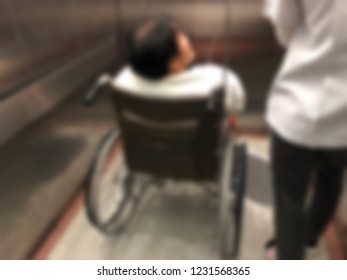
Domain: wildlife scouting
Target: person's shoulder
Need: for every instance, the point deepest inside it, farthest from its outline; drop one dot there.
(124, 73)
(218, 73)
(208, 67)
(124, 77)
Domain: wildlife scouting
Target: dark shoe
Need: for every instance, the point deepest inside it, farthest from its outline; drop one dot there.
(271, 252)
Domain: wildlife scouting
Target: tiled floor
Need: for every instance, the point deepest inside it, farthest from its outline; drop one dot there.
(42, 168)
(180, 222)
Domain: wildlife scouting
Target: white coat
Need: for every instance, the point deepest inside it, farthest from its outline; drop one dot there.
(198, 81)
(308, 100)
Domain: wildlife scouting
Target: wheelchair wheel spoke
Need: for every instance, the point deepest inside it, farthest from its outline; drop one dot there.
(231, 200)
(109, 189)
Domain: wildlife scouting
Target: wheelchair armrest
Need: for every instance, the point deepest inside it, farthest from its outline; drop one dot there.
(100, 86)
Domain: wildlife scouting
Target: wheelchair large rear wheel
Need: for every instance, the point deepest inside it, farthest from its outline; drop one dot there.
(233, 184)
(109, 186)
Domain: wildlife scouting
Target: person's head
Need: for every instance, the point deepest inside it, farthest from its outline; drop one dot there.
(157, 49)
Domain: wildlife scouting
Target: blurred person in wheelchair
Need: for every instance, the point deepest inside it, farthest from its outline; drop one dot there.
(162, 64)
(307, 111)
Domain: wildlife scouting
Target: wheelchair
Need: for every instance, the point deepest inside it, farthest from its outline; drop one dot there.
(185, 139)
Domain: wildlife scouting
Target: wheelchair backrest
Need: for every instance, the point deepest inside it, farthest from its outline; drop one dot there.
(177, 138)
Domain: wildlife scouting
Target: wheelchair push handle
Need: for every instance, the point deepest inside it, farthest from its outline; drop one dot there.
(97, 88)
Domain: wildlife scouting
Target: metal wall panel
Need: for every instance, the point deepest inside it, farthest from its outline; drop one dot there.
(40, 38)
(203, 18)
(47, 49)
(43, 34)
(32, 102)
(12, 56)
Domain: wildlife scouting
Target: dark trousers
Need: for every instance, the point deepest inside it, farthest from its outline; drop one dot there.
(300, 173)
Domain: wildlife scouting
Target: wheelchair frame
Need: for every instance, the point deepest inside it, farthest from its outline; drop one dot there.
(232, 183)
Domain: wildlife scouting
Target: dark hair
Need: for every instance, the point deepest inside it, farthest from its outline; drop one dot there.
(152, 47)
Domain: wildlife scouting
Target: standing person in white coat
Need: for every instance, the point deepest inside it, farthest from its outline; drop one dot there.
(307, 111)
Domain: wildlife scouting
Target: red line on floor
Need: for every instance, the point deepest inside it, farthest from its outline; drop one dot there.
(334, 242)
(68, 216)
(55, 235)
